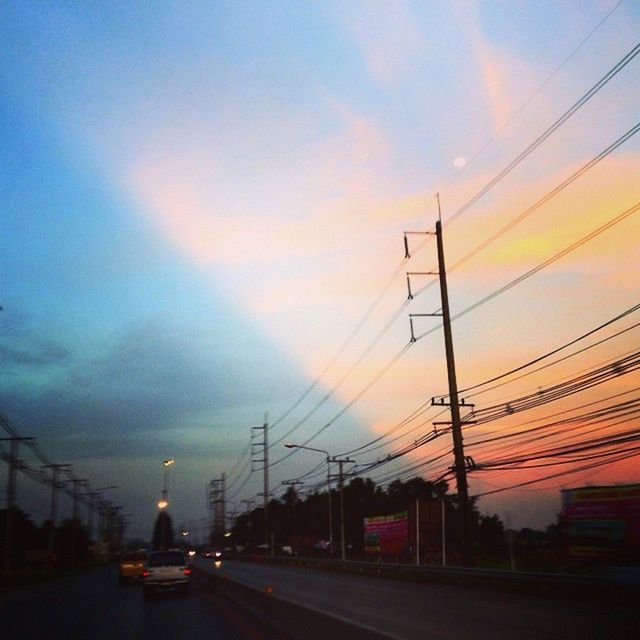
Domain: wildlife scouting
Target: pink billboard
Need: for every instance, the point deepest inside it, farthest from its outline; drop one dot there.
(602, 522)
(386, 535)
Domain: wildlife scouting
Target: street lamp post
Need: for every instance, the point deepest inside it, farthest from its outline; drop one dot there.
(328, 458)
(163, 503)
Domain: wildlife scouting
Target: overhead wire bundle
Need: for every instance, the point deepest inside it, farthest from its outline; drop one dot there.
(402, 430)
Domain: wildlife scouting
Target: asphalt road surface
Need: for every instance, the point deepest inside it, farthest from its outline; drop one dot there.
(429, 611)
(92, 605)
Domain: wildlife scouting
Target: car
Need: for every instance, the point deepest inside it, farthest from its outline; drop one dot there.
(166, 571)
(131, 565)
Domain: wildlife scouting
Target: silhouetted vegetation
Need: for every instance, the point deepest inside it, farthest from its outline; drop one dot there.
(162, 532)
(303, 524)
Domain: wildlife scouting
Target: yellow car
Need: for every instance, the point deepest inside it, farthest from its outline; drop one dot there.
(131, 565)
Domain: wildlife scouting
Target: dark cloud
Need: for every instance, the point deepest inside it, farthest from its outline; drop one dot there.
(36, 355)
(153, 377)
(22, 346)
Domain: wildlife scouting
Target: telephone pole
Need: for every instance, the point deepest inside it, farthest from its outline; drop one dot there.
(260, 445)
(75, 518)
(14, 463)
(218, 505)
(456, 424)
(460, 461)
(55, 469)
(340, 462)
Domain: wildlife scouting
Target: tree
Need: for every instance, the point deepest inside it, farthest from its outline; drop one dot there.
(71, 543)
(24, 535)
(163, 532)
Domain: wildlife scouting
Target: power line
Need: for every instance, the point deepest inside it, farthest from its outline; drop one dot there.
(473, 442)
(619, 66)
(622, 216)
(530, 363)
(560, 474)
(383, 371)
(558, 361)
(575, 385)
(548, 196)
(535, 93)
(349, 371)
(236, 467)
(345, 343)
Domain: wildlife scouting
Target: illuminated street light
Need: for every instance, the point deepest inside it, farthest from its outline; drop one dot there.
(164, 502)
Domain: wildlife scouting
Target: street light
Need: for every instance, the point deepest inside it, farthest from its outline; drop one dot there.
(164, 502)
(326, 453)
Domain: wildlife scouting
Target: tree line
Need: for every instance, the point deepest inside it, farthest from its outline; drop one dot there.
(302, 524)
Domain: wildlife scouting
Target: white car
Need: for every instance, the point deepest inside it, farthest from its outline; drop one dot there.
(165, 571)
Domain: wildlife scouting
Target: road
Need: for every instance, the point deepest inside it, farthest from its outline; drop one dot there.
(429, 611)
(92, 605)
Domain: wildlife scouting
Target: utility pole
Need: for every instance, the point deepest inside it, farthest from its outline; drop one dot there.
(266, 483)
(76, 498)
(93, 496)
(55, 469)
(460, 461)
(95, 502)
(11, 495)
(75, 520)
(258, 446)
(456, 424)
(328, 458)
(218, 506)
(340, 462)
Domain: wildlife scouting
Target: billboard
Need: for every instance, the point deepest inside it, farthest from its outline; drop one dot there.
(386, 535)
(429, 530)
(602, 522)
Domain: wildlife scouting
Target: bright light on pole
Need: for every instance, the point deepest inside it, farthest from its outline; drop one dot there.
(163, 503)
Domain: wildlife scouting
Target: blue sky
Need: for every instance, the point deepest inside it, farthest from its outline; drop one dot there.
(199, 202)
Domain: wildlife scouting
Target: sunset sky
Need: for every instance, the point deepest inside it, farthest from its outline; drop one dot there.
(201, 201)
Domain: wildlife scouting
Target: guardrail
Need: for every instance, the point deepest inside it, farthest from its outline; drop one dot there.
(426, 570)
(565, 584)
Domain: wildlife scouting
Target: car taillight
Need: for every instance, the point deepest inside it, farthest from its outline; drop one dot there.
(187, 572)
(145, 574)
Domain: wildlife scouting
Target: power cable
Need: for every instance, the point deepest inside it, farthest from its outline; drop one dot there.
(345, 343)
(383, 371)
(619, 66)
(530, 99)
(622, 216)
(547, 197)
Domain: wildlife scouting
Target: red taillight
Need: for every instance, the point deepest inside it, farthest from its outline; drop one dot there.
(145, 574)
(187, 572)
